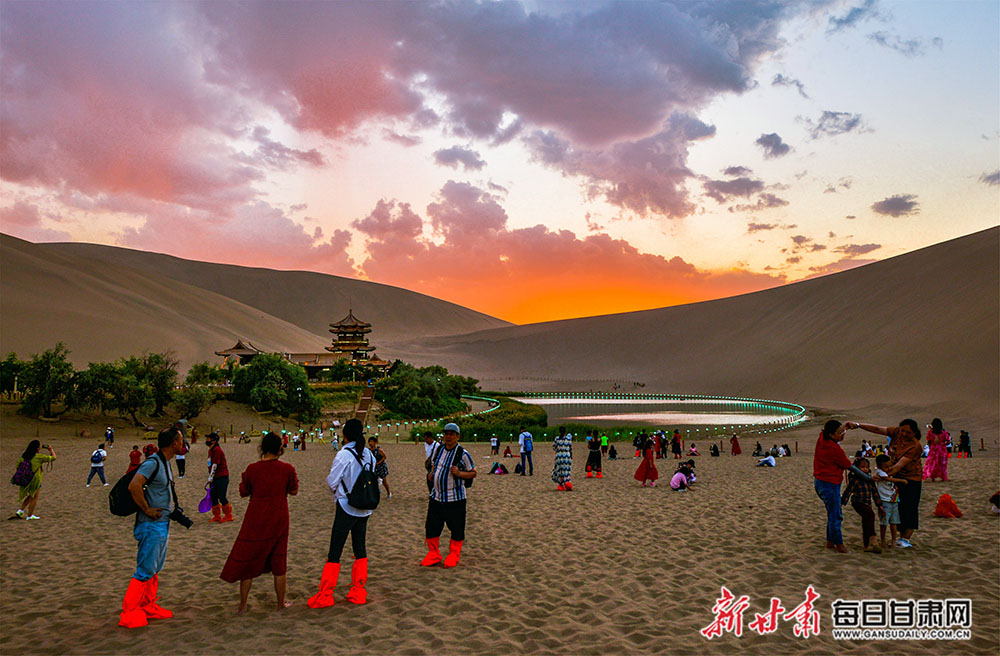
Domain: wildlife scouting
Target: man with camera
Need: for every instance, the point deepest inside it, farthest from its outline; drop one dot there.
(152, 490)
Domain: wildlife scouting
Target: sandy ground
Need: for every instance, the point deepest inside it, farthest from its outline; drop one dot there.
(608, 568)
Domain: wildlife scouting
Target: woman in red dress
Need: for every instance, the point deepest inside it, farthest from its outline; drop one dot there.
(262, 545)
(734, 442)
(647, 468)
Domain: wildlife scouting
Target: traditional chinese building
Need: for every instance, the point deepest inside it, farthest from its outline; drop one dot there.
(351, 338)
(241, 353)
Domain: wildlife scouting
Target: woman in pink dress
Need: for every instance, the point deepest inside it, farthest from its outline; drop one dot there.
(937, 455)
(262, 545)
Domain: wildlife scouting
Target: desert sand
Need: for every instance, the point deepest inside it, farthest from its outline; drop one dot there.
(609, 568)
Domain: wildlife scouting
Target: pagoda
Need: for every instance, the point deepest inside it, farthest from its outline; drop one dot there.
(242, 353)
(351, 339)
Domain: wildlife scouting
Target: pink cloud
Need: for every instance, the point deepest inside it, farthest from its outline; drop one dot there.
(23, 220)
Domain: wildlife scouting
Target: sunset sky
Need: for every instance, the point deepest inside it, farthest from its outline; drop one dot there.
(531, 160)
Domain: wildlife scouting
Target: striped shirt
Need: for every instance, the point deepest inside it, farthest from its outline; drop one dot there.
(448, 488)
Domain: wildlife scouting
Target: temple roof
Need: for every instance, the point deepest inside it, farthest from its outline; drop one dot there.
(350, 321)
(241, 348)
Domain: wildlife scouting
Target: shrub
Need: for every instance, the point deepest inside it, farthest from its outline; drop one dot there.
(412, 393)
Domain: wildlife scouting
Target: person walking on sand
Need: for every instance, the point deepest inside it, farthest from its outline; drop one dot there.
(594, 458)
(181, 457)
(109, 437)
(152, 490)
(347, 465)
(938, 440)
(604, 443)
(218, 480)
(27, 495)
(97, 459)
(734, 444)
(647, 468)
(451, 471)
(381, 469)
(905, 451)
(134, 458)
(829, 464)
(262, 544)
(562, 470)
(527, 446)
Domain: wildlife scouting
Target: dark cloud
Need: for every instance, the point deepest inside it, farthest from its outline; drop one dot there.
(24, 220)
(853, 250)
(794, 259)
(899, 205)
(843, 183)
(992, 179)
(758, 227)
(279, 155)
(764, 202)
(854, 15)
(830, 124)
(723, 190)
(850, 216)
(816, 247)
(469, 159)
(837, 266)
(772, 145)
(801, 240)
(736, 171)
(402, 139)
(907, 47)
(782, 81)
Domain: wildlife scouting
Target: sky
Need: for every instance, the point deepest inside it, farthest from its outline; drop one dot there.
(530, 160)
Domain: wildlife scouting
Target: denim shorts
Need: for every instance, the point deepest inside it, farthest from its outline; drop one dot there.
(891, 512)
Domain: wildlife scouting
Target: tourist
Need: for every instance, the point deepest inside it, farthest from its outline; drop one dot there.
(829, 463)
(218, 480)
(757, 450)
(109, 437)
(450, 470)
(693, 450)
(889, 495)
(861, 492)
(149, 450)
(734, 445)
(937, 455)
(767, 461)
(714, 450)
(181, 456)
(494, 446)
(637, 444)
(262, 543)
(787, 450)
(682, 479)
(27, 495)
(527, 446)
(612, 453)
(97, 459)
(675, 445)
(152, 490)
(594, 458)
(658, 442)
(134, 458)
(604, 443)
(562, 469)
(429, 443)
(507, 453)
(905, 443)
(344, 472)
(965, 444)
(381, 469)
(647, 474)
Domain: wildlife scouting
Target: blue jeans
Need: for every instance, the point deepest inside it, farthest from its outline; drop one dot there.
(830, 494)
(527, 455)
(98, 471)
(152, 552)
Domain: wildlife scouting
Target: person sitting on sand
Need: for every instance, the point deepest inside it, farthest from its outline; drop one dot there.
(758, 450)
(995, 503)
(788, 451)
(767, 461)
(693, 451)
(682, 479)
(507, 453)
(612, 453)
(714, 450)
(262, 543)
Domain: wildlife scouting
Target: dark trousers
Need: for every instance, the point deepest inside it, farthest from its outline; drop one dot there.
(439, 514)
(96, 470)
(909, 505)
(867, 520)
(220, 490)
(342, 525)
(180, 466)
(531, 465)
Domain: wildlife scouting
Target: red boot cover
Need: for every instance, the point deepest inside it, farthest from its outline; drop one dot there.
(132, 616)
(454, 552)
(359, 576)
(327, 582)
(433, 556)
(149, 606)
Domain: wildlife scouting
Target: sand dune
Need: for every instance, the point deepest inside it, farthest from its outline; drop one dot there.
(306, 299)
(103, 311)
(915, 330)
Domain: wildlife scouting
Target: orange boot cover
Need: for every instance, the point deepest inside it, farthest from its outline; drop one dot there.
(569, 486)
(359, 576)
(149, 606)
(433, 556)
(216, 513)
(227, 512)
(132, 616)
(454, 552)
(327, 582)
(946, 507)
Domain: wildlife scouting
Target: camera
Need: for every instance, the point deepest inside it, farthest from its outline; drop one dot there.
(178, 516)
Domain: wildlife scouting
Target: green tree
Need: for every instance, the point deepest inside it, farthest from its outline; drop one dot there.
(409, 392)
(10, 371)
(96, 387)
(193, 399)
(205, 373)
(160, 371)
(272, 383)
(47, 377)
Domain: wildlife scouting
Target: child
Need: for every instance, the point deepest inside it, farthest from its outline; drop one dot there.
(682, 479)
(381, 469)
(861, 492)
(507, 453)
(890, 498)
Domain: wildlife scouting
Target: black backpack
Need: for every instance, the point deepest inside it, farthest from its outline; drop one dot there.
(120, 499)
(364, 495)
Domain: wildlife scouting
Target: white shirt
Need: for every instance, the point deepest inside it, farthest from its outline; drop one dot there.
(494, 441)
(343, 473)
(520, 439)
(428, 447)
(103, 454)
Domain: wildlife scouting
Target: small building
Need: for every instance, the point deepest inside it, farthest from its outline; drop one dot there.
(242, 353)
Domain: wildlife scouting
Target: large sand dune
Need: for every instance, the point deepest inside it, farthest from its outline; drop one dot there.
(916, 330)
(102, 311)
(309, 300)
